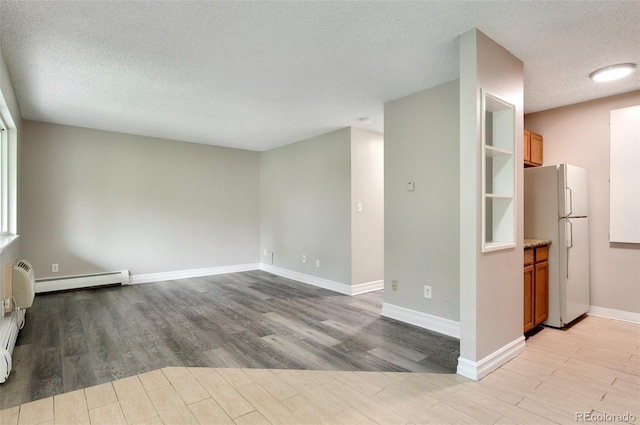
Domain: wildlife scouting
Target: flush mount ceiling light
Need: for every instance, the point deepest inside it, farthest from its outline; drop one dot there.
(365, 120)
(613, 72)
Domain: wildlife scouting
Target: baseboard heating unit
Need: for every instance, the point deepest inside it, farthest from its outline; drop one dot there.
(85, 281)
(9, 326)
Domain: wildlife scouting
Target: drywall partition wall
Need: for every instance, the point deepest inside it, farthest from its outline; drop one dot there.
(579, 135)
(97, 201)
(422, 224)
(367, 206)
(305, 196)
(491, 284)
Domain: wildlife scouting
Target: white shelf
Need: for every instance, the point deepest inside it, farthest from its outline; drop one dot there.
(497, 196)
(496, 246)
(498, 174)
(494, 152)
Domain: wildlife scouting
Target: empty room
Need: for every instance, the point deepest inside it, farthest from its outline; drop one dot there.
(319, 212)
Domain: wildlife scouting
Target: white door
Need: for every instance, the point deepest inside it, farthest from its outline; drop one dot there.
(572, 191)
(574, 268)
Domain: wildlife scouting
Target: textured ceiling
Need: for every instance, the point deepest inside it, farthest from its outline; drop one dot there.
(256, 75)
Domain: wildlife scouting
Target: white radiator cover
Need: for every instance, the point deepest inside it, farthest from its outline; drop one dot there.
(8, 334)
(85, 281)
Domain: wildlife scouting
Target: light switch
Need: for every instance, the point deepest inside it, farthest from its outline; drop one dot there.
(359, 207)
(410, 186)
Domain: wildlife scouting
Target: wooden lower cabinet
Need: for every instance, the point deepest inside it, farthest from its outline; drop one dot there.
(536, 286)
(541, 292)
(528, 298)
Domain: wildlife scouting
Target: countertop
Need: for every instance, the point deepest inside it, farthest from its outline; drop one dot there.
(534, 243)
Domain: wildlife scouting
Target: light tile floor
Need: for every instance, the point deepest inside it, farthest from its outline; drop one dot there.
(592, 368)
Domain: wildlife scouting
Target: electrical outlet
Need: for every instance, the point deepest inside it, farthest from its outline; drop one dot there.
(304, 258)
(54, 268)
(427, 291)
(317, 263)
(6, 304)
(394, 285)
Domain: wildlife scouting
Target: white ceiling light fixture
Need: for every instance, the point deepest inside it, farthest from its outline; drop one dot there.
(613, 72)
(365, 120)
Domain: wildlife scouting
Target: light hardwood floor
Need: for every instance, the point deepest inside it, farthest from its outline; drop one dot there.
(592, 368)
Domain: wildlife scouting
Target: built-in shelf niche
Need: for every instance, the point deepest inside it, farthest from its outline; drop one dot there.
(498, 173)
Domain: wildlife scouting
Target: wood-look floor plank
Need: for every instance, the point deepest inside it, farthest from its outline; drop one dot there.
(270, 407)
(233, 403)
(509, 395)
(307, 412)
(303, 383)
(185, 384)
(79, 339)
(110, 414)
(100, 395)
(171, 407)
(10, 416)
(36, 412)
(207, 411)
(71, 408)
(253, 418)
(371, 408)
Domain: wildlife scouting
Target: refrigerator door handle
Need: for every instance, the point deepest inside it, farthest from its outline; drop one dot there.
(570, 201)
(569, 243)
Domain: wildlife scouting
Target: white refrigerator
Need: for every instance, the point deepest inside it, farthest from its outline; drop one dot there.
(555, 208)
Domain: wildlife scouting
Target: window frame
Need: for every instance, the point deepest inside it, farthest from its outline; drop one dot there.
(8, 175)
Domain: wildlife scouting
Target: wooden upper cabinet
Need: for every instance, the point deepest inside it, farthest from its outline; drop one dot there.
(532, 149)
(536, 149)
(527, 146)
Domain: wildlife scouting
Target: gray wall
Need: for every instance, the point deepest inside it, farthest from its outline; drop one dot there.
(367, 187)
(99, 201)
(305, 198)
(422, 227)
(579, 135)
(491, 284)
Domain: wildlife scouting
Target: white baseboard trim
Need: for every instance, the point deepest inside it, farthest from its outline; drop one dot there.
(423, 320)
(184, 274)
(611, 313)
(331, 285)
(77, 282)
(363, 288)
(480, 369)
